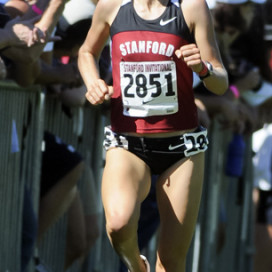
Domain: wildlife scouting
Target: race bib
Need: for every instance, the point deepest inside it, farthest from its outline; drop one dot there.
(195, 142)
(149, 88)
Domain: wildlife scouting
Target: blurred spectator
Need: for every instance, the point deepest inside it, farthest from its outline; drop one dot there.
(262, 145)
(22, 61)
(240, 30)
(14, 33)
(239, 27)
(61, 166)
(82, 226)
(18, 32)
(262, 161)
(21, 34)
(67, 86)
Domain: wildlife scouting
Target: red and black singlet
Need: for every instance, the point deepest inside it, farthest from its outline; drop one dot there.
(152, 88)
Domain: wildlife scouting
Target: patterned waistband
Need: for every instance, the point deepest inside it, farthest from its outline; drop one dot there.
(189, 143)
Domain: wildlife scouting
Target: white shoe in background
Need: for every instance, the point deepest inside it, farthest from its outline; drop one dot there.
(146, 263)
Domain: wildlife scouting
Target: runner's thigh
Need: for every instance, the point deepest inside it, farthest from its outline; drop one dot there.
(126, 183)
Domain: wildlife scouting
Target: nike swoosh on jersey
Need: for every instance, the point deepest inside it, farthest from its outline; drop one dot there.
(163, 23)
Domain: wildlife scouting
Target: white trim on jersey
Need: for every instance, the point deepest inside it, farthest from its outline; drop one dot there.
(176, 2)
(125, 2)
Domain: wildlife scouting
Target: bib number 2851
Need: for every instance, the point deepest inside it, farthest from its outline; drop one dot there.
(148, 88)
(144, 82)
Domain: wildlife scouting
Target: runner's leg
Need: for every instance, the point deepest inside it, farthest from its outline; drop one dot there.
(178, 195)
(126, 183)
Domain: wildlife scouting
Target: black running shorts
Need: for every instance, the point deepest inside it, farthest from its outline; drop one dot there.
(159, 153)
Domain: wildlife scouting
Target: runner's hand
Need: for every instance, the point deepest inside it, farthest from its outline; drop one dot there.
(190, 54)
(99, 92)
